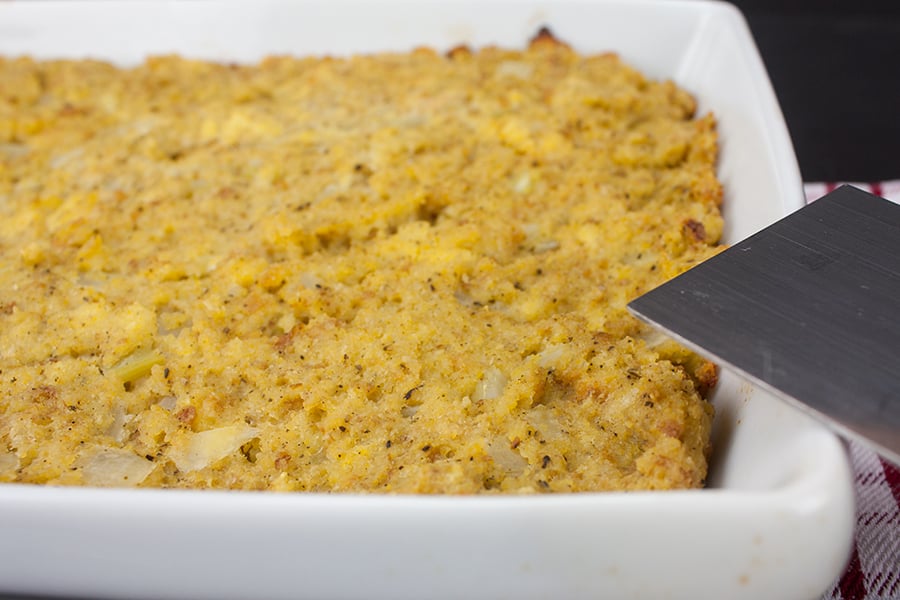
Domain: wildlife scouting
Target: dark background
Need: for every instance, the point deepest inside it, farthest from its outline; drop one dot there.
(835, 66)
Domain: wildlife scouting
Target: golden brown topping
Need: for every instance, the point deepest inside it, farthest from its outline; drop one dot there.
(395, 273)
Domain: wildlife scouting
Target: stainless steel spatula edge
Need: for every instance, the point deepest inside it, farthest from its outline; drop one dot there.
(808, 308)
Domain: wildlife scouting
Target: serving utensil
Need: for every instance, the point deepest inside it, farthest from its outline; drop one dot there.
(808, 308)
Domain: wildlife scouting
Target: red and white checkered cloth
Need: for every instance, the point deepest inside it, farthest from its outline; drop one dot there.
(874, 569)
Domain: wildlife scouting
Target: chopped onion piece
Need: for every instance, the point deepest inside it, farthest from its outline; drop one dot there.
(530, 229)
(168, 402)
(654, 337)
(491, 385)
(523, 183)
(514, 68)
(463, 298)
(8, 461)
(544, 420)
(310, 281)
(136, 365)
(206, 447)
(505, 457)
(109, 467)
(58, 161)
(287, 322)
(549, 356)
(120, 419)
(546, 246)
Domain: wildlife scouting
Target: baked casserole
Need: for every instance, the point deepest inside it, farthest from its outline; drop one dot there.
(398, 273)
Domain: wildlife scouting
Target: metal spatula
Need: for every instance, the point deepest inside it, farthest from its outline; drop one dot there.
(808, 308)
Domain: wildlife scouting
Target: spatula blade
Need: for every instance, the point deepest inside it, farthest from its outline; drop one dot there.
(809, 308)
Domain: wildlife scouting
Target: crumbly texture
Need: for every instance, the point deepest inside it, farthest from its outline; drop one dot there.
(391, 273)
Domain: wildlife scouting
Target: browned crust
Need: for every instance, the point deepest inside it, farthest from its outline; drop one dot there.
(695, 230)
(707, 376)
(545, 38)
(461, 51)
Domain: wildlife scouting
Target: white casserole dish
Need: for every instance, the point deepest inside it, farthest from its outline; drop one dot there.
(775, 522)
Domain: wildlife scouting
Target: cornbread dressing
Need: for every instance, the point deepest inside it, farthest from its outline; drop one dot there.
(390, 273)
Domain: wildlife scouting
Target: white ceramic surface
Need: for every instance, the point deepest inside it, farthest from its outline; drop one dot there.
(775, 522)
